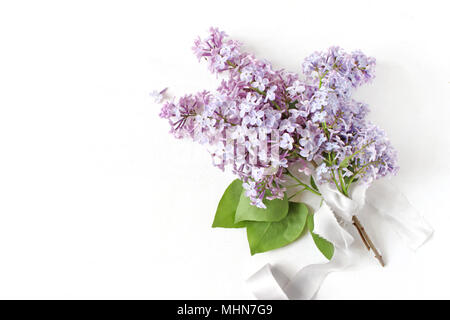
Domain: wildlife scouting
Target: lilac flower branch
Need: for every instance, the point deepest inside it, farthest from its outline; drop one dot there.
(316, 119)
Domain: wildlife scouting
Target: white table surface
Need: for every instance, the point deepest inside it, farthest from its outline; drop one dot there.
(97, 200)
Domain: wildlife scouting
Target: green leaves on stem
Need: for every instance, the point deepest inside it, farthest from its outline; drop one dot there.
(276, 210)
(266, 236)
(281, 223)
(304, 185)
(343, 182)
(313, 184)
(226, 210)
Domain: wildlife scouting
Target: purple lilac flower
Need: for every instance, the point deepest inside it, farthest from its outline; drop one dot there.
(312, 138)
(158, 96)
(257, 108)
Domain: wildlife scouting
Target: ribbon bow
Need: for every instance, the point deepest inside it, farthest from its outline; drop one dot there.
(330, 221)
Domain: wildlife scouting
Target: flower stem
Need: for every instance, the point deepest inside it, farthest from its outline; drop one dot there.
(341, 180)
(303, 184)
(367, 241)
(297, 193)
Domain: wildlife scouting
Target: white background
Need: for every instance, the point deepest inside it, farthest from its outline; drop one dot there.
(97, 200)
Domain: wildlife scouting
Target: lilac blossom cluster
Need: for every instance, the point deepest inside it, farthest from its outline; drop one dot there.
(257, 109)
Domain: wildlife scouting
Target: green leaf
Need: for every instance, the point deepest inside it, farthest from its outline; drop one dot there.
(266, 236)
(292, 104)
(344, 163)
(313, 184)
(324, 246)
(226, 210)
(310, 222)
(276, 210)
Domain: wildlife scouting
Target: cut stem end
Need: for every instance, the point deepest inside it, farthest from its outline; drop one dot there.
(367, 241)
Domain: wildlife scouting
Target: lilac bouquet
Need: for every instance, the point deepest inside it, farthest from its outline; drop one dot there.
(283, 135)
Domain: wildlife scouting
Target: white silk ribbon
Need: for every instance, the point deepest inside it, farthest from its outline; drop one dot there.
(330, 222)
